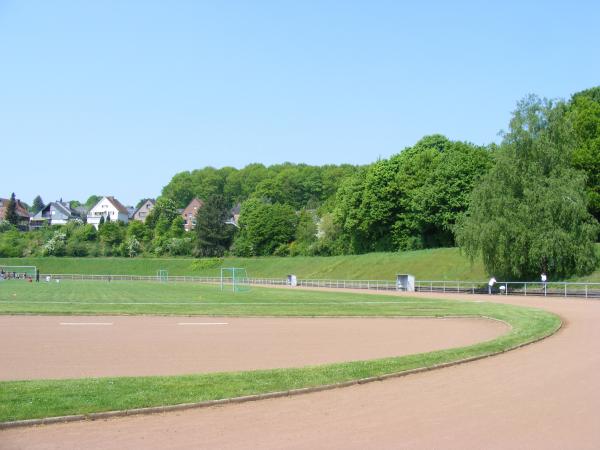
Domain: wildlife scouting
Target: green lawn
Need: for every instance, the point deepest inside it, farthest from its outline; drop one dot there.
(48, 398)
(433, 264)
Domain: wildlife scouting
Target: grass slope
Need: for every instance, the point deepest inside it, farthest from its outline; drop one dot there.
(48, 398)
(434, 264)
(431, 264)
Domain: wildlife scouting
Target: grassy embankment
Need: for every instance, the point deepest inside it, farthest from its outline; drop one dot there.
(433, 264)
(48, 398)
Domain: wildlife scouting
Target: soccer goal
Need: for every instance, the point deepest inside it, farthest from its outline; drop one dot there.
(18, 272)
(236, 277)
(162, 275)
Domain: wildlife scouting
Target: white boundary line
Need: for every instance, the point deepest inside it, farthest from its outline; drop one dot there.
(86, 323)
(202, 323)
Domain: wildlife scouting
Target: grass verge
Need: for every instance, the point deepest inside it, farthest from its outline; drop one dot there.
(50, 398)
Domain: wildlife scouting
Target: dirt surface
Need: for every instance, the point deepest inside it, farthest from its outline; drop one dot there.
(40, 347)
(545, 395)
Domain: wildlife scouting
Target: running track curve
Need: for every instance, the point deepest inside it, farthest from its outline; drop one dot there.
(545, 395)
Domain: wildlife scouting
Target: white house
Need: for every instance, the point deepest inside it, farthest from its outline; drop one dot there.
(110, 208)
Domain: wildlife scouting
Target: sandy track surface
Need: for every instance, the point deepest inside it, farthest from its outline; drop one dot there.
(545, 395)
(41, 347)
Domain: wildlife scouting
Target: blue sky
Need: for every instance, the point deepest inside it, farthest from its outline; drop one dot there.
(115, 97)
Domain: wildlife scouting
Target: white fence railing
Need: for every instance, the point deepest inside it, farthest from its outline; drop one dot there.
(550, 289)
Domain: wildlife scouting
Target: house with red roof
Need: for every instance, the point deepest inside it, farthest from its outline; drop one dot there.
(190, 212)
(21, 212)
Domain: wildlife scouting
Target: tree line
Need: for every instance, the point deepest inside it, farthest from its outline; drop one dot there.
(528, 205)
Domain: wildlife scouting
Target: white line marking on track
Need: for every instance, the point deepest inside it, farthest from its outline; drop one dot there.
(202, 323)
(86, 323)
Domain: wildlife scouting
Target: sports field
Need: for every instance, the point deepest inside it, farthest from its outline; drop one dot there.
(46, 398)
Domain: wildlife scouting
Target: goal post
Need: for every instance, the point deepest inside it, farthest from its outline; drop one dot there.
(237, 277)
(18, 272)
(162, 275)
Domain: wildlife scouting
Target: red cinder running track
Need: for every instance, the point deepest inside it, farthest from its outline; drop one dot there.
(545, 395)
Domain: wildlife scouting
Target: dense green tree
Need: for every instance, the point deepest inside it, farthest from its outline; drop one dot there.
(241, 184)
(177, 229)
(348, 212)
(305, 237)
(584, 113)
(213, 235)
(435, 179)
(264, 227)
(412, 199)
(111, 236)
(180, 189)
(38, 205)
(529, 214)
(138, 230)
(11, 215)
(164, 211)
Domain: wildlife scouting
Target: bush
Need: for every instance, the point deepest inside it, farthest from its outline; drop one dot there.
(76, 249)
(6, 226)
(55, 246)
(11, 244)
(206, 263)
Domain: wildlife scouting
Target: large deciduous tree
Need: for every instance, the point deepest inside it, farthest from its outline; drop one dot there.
(413, 199)
(584, 112)
(529, 214)
(264, 227)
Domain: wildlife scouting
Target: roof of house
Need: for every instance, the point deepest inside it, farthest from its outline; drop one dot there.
(116, 203)
(20, 209)
(151, 200)
(194, 204)
(60, 206)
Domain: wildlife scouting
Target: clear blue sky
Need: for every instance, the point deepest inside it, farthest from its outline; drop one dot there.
(115, 97)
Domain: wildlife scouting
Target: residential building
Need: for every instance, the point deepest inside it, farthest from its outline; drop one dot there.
(21, 212)
(142, 212)
(110, 208)
(234, 215)
(54, 213)
(189, 214)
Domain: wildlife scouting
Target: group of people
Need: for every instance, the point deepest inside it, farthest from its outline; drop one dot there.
(17, 276)
(493, 281)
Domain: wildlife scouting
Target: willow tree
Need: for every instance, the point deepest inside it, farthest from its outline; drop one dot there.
(529, 214)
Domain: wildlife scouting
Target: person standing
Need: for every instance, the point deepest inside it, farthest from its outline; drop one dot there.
(491, 285)
(544, 281)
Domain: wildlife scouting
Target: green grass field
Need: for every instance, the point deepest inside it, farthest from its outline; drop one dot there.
(48, 398)
(442, 264)
(433, 264)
